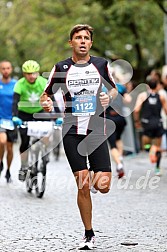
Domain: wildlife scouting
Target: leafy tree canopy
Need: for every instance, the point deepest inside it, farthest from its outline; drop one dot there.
(123, 29)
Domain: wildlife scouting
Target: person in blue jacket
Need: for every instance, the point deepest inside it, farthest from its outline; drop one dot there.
(8, 133)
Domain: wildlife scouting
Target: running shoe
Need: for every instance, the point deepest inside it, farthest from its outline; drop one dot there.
(87, 243)
(120, 172)
(1, 167)
(157, 171)
(8, 176)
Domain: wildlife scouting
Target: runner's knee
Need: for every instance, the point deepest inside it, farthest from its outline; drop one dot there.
(103, 183)
(3, 139)
(104, 190)
(83, 181)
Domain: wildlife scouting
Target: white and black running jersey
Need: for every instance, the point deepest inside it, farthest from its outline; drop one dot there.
(81, 85)
(151, 108)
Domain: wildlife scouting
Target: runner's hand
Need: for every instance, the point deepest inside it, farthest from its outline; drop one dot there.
(59, 121)
(17, 121)
(104, 99)
(46, 102)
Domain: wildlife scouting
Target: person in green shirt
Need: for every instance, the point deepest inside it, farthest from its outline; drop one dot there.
(27, 92)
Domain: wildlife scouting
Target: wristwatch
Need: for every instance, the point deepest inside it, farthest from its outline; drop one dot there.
(110, 97)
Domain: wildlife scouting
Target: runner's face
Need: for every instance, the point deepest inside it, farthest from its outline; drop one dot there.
(6, 69)
(31, 77)
(81, 43)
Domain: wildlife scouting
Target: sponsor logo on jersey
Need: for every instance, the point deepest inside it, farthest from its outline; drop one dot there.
(91, 72)
(82, 82)
(65, 66)
(84, 92)
(152, 100)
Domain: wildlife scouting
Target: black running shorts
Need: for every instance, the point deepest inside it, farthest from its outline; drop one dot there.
(11, 135)
(87, 152)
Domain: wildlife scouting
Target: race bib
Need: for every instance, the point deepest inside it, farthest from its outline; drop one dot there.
(83, 105)
(6, 124)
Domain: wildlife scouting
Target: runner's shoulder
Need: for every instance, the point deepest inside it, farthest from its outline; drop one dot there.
(64, 65)
(13, 81)
(97, 59)
(20, 81)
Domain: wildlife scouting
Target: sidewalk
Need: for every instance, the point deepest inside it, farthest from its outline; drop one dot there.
(133, 211)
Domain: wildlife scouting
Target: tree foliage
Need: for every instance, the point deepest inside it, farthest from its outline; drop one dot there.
(123, 29)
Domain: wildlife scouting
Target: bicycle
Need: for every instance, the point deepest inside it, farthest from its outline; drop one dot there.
(40, 136)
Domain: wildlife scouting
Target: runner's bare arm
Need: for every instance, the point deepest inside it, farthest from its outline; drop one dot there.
(164, 103)
(136, 113)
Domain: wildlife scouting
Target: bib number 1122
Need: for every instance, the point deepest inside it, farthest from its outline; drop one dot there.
(84, 106)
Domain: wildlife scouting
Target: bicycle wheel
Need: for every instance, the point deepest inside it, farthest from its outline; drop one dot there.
(40, 181)
(32, 170)
(29, 181)
(56, 152)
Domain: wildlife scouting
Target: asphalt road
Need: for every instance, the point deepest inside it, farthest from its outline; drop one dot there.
(134, 211)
